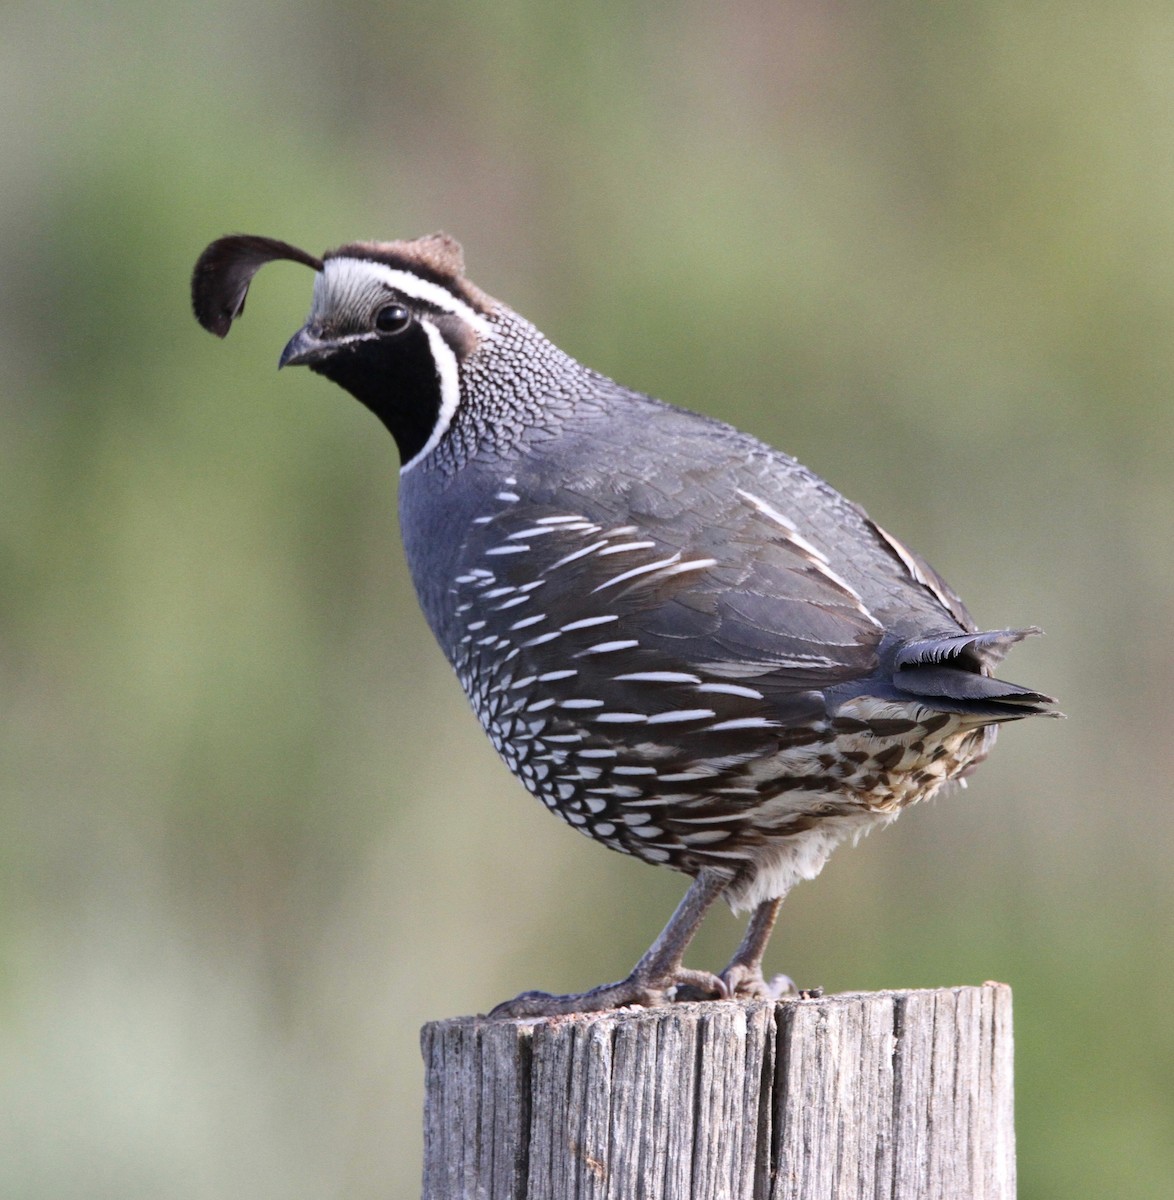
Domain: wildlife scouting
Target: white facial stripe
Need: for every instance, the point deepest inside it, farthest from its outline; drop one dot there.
(450, 390)
(343, 275)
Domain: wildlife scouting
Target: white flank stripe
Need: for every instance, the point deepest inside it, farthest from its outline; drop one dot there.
(450, 387)
(623, 547)
(533, 531)
(621, 718)
(697, 564)
(608, 647)
(660, 564)
(509, 497)
(730, 689)
(658, 677)
(551, 676)
(741, 723)
(501, 549)
(582, 704)
(597, 754)
(570, 558)
(541, 639)
(526, 622)
(587, 622)
(683, 714)
(557, 520)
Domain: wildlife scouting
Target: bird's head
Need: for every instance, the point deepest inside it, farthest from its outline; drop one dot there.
(391, 322)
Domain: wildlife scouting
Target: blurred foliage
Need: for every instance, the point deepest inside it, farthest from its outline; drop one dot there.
(251, 836)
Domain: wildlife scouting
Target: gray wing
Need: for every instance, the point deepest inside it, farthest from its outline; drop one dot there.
(662, 606)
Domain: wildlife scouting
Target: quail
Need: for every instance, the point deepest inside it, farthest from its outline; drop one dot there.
(682, 641)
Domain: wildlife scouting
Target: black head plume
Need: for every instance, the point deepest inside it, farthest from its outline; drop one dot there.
(224, 271)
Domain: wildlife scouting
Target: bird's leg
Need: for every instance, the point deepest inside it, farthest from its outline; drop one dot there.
(743, 974)
(653, 978)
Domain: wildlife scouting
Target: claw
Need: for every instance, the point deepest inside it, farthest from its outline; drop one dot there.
(640, 990)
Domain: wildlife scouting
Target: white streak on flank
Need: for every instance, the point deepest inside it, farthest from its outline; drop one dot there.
(581, 704)
(465, 579)
(520, 683)
(911, 565)
(551, 676)
(507, 549)
(683, 714)
(634, 820)
(569, 558)
(697, 564)
(450, 386)
(793, 534)
(508, 497)
(621, 718)
(658, 677)
(556, 520)
(340, 275)
(730, 689)
(529, 587)
(621, 531)
(633, 770)
(533, 531)
(488, 576)
(818, 559)
(622, 792)
(704, 837)
(597, 754)
(608, 647)
(511, 480)
(623, 547)
(654, 854)
(587, 622)
(584, 774)
(604, 828)
(541, 639)
(482, 520)
(538, 706)
(526, 622)
(635, 571)
(473, 626)
(513, 602)
(741, 723)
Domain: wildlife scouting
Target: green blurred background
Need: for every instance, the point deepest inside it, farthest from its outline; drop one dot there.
(250, 836)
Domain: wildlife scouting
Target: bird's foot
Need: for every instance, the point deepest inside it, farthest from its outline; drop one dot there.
(744, 981)
(644, 990)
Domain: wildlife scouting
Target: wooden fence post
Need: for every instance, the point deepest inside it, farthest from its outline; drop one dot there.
(887, 1095)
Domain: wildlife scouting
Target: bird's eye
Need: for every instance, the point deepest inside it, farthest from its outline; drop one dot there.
(392, 318)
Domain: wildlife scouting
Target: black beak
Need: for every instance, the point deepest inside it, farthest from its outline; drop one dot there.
(304, 348)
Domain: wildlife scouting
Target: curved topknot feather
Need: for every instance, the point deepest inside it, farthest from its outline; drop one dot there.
(221, 278)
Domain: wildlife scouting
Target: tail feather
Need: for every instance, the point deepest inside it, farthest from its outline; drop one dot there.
(951, 673)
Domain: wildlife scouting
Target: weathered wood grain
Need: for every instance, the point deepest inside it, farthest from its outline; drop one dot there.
(886, 1095)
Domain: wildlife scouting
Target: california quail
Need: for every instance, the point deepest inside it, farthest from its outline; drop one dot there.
(680, 640)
